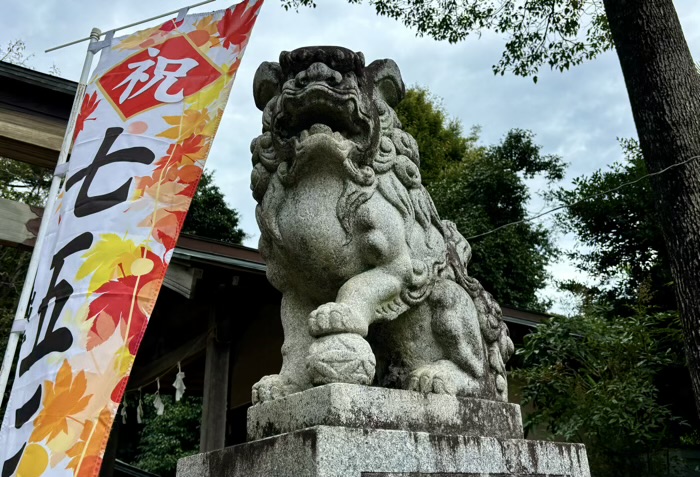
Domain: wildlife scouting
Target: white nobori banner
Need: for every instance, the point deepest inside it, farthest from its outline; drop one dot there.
(145, 128)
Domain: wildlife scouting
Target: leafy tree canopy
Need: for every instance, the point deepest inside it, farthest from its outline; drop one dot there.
(621, 231)
(23, 183)
(558, 33)
(210, 216)
(488, 190)
(481, 188)
(439, 137)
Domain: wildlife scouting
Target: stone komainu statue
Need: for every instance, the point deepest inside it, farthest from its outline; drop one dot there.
(354, 243)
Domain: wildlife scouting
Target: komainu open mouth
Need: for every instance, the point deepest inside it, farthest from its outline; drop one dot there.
(319, 109)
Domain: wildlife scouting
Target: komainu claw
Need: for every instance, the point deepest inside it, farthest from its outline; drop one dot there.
(333, 318)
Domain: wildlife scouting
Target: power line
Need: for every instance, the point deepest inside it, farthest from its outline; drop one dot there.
(599, 194)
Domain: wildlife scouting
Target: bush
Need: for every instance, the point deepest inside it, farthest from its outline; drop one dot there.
(593, 379)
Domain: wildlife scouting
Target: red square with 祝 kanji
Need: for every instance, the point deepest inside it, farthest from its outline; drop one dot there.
(161, 74)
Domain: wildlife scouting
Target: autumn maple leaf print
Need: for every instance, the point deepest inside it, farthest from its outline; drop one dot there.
(86, 454)
(125, 303)
(88, 107)
(62, 400)
(236, 25)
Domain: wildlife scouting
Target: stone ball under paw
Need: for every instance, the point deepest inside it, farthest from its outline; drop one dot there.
(341, 358)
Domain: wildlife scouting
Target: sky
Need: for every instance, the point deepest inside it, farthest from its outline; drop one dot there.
(578, 114)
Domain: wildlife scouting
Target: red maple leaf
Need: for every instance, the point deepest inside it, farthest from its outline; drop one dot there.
(88, 107)
(170, 25)
(234, 28)
(118, 391)
(126, 302)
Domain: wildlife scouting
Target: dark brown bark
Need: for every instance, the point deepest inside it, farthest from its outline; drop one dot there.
(664, 90)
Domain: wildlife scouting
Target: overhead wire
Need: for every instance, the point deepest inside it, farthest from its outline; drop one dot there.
(593, 196)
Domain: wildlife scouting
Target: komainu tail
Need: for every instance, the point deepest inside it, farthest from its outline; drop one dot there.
(499, 346)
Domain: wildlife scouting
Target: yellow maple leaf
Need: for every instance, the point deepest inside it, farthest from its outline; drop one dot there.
(210, 128)
(207, 24)
(109, 258)
(64, 440)
(134, 41)
(123, 360)
(63, 399)
(205, 97)
(192, 122)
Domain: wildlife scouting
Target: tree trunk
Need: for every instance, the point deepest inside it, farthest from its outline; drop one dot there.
(664, 90)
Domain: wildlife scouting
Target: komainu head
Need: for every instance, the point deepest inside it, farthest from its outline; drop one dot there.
(324, 98)
(375, 285)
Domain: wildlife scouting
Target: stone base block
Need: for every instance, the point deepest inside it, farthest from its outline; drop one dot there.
(324, 451)
(349, 405)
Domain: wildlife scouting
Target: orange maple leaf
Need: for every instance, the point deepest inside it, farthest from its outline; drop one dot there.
(208, 25)
(86, 454)
(192, 122)
(167, 224)
(172, 180)
(193, 149)
(62, 400)
(189, 175)
(146, 182)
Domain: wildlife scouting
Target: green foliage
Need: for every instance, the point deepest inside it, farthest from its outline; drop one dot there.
(621, 231)
(210, 216)
(167, 438)
(558, 33)
(594, 379)
(13, 268)
(488, 190)
(481, 188)
(439, 138)
(24, 183)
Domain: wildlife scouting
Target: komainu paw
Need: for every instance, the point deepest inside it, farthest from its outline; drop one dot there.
(442, 377)
(334, 318)
(273, 387)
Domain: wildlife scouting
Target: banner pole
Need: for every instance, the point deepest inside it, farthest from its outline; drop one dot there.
(20, 321)
(133, 24)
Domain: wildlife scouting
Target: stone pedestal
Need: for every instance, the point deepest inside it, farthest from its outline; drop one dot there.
(341, 430)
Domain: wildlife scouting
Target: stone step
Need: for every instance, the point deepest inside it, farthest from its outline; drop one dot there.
(356, 406)
(324, 451)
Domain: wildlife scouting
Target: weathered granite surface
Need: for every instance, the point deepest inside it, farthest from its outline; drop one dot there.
(344, 452)
(353, 241)
(349, 405)
(375, 290)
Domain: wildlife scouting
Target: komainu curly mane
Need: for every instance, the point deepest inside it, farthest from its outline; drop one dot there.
(354, 243)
